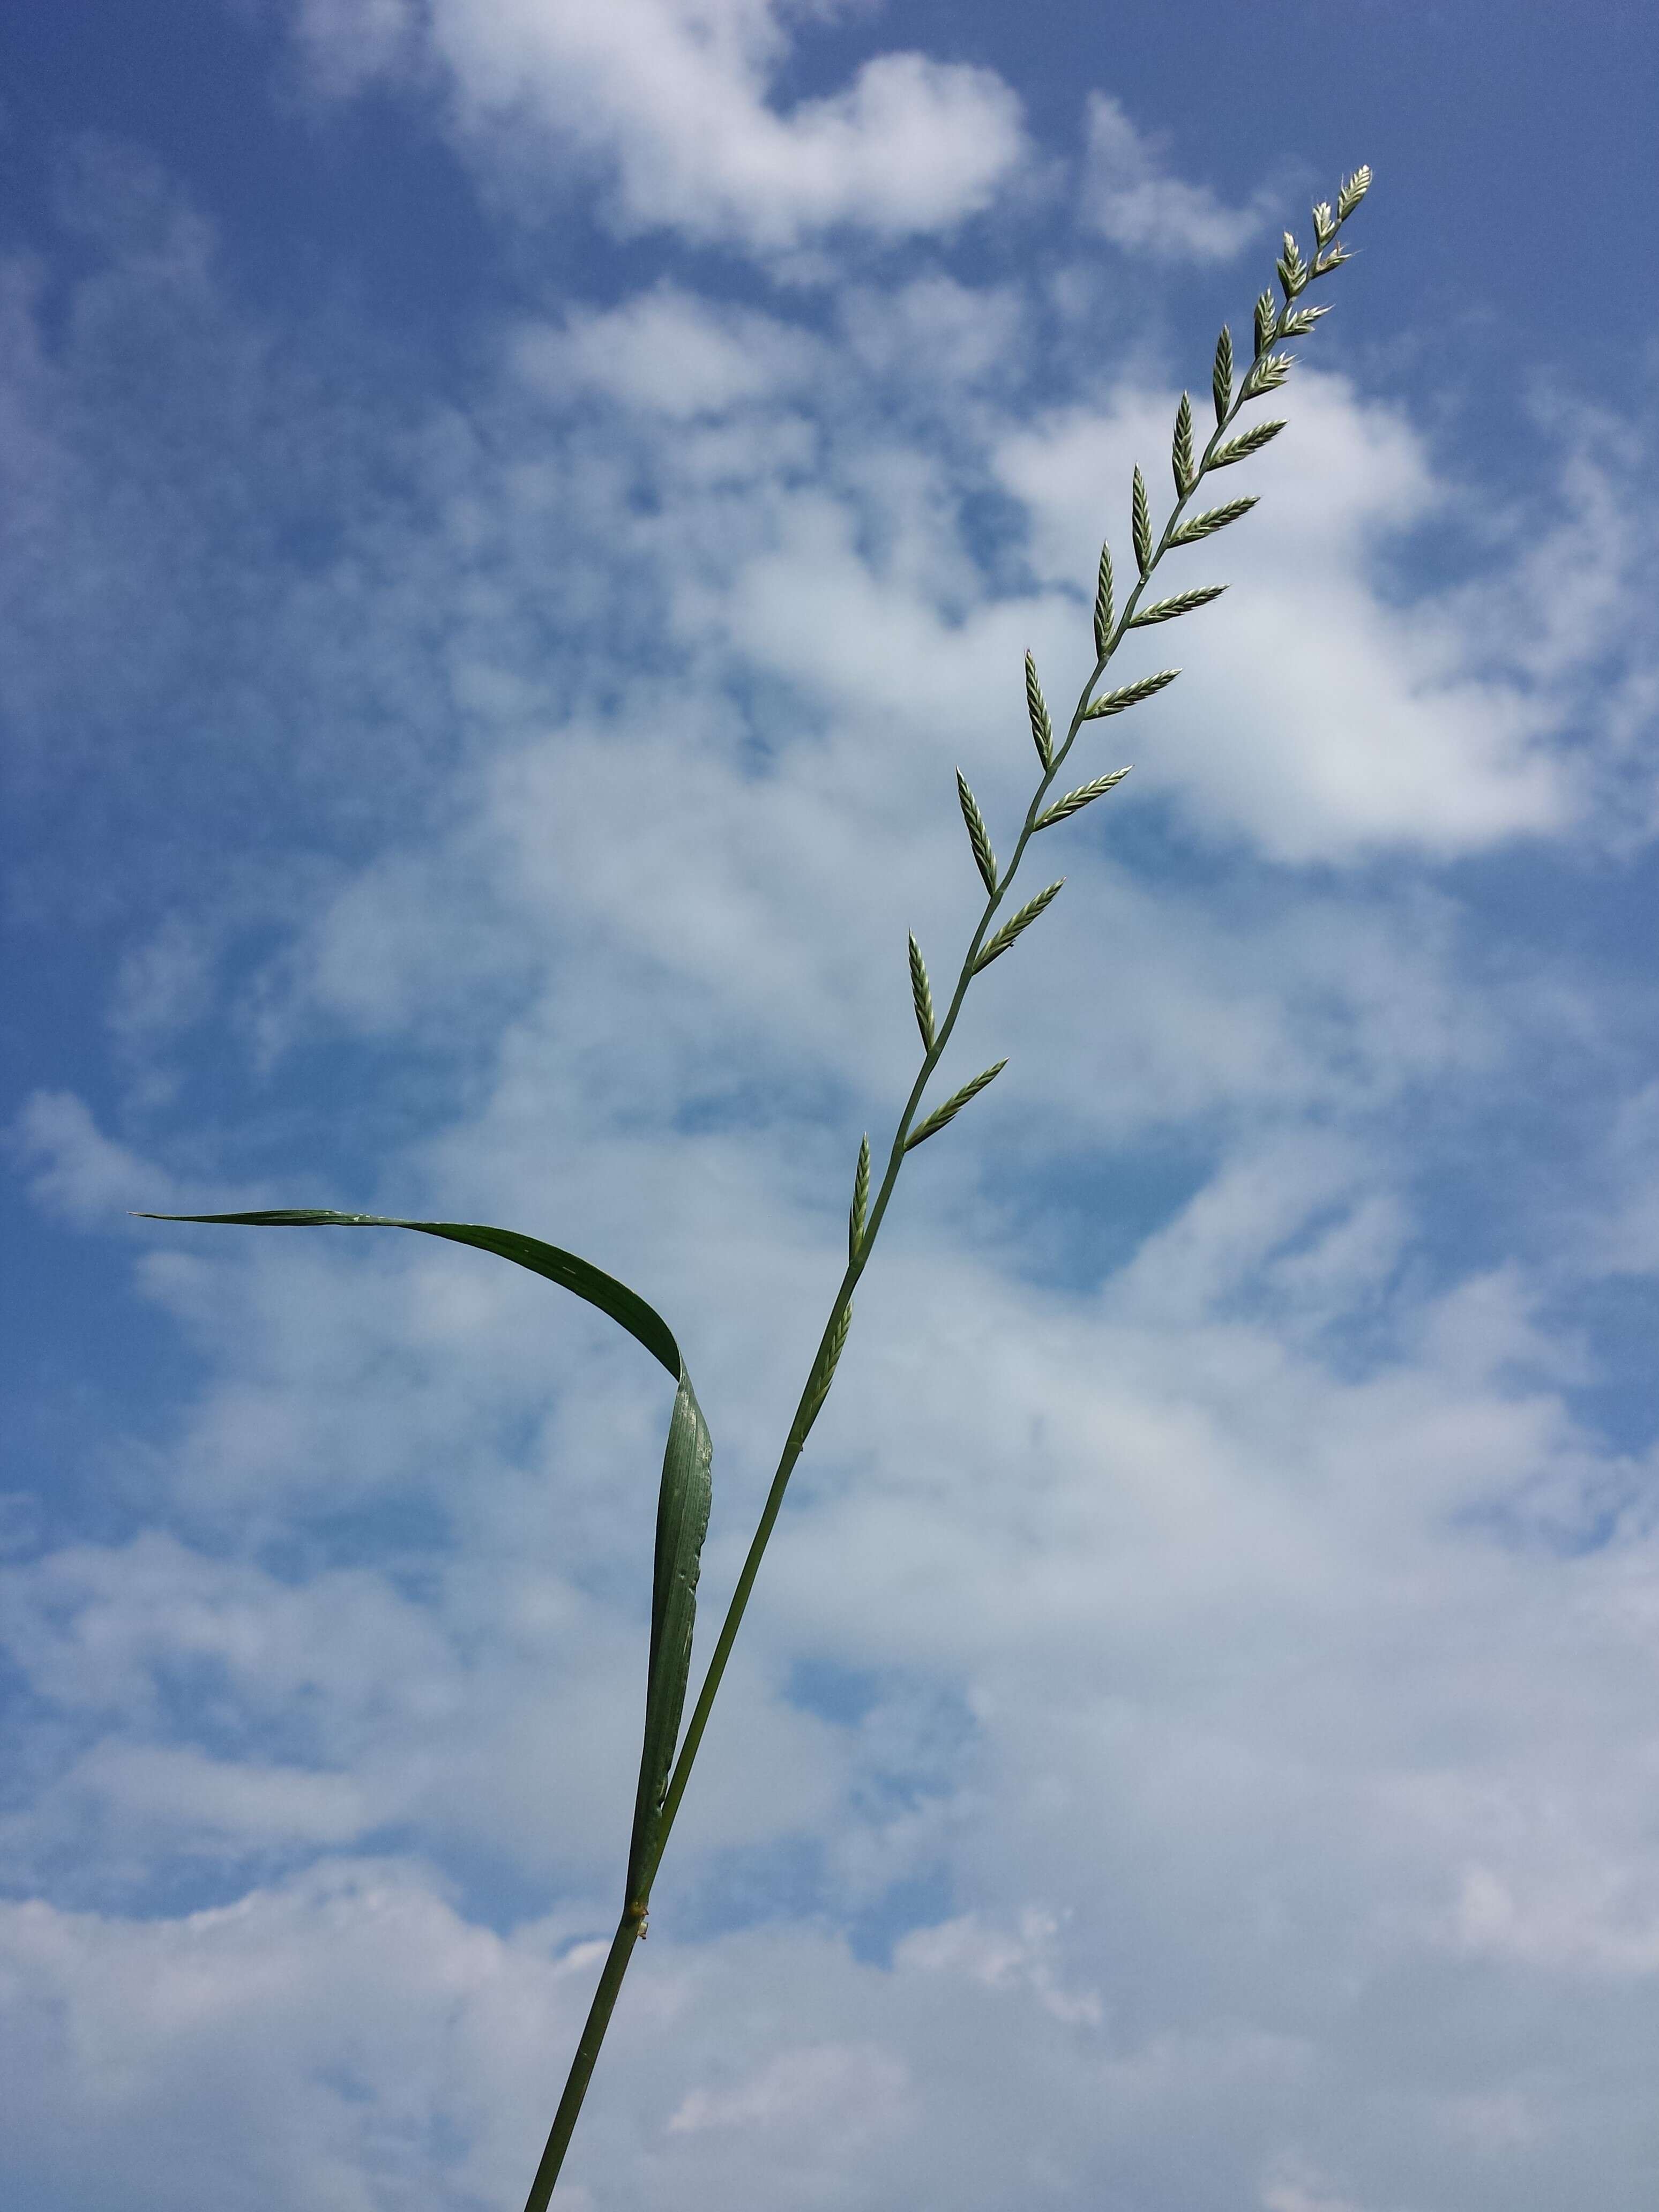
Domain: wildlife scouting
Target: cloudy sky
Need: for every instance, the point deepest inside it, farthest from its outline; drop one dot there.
(513, 513)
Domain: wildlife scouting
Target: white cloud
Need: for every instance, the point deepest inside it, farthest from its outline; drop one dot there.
(1324, 719)
(76, 1172)
(1002, 1959)
(842, 2092)
(1295, 2186)
(1205, 1656)
(1131, 198)
(1621, 1232)
(668, 353)
(672, 98)
(202, 2034)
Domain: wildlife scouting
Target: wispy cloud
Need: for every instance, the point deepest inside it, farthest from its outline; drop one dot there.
(1203, 1666)
(671, 100)
(1132, 196)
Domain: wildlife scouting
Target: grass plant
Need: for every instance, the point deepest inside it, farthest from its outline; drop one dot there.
(669, 1753)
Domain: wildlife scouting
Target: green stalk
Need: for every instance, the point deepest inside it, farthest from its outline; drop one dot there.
(629, 1929)
(632, 1925)
(856, 1266)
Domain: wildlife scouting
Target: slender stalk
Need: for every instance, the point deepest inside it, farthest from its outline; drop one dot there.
(811, 1397)
(629, 1929)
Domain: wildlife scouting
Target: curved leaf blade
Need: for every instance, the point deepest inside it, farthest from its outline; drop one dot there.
(683, 1502)
(683, 1498)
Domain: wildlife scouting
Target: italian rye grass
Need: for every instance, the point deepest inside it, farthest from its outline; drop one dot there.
(668, 1754)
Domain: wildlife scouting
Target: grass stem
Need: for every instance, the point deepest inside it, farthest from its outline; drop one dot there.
(629, 1929)
(1229, 401)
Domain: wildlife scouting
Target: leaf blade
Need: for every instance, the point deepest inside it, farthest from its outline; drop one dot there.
(683, 1495)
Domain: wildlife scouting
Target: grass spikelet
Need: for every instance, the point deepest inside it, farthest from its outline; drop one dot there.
(1354, 189)
(1247, 443)
(859, 1211)
(953, 1106)
(1129, 695)
(978, 837)
(1266, 322)
(1221, 376)
(1182, 604)
(1213, 519)
(1043, 734)
(1142, 521)
(922, 994)
(823, 1375)
(1103, 605)
(1181, 449)
(1267, 374)
(1075, 801)
(1021, 922)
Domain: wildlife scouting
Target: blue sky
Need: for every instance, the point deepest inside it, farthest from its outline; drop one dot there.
(512, 514)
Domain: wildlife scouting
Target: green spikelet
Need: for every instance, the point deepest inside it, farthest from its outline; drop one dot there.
(1213, 519)
(1042, 735)
(1221, 377)
(1074, 801)
(859, 1211)
(1021, 922)
(1354, 189)
(1142, 522)
(952, 1107)
(984, 859)
(1181, 604)
(1181, 449)
(1103, 605)
(1130, 695)
(1292, 270)
(1247, 443)
(823, 1375)
(1267, 374)
(922, 995)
